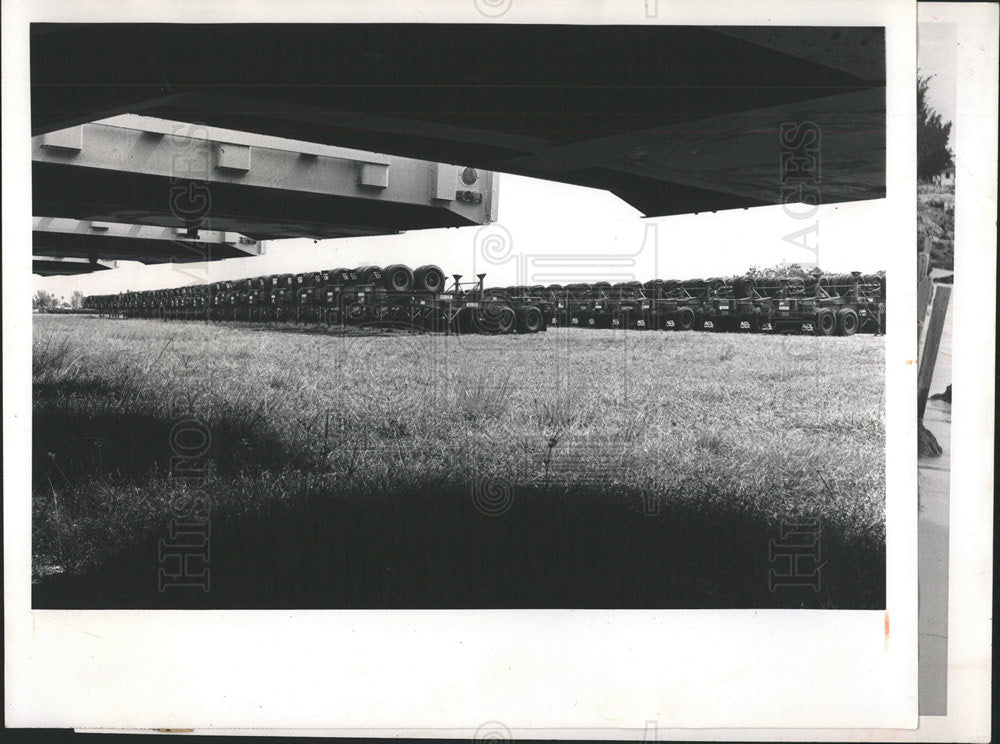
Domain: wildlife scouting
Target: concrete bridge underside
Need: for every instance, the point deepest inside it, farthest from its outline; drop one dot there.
(61, 245)
(672, 119)
(141, 170)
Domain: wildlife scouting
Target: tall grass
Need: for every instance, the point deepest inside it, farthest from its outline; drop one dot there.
(341, 470)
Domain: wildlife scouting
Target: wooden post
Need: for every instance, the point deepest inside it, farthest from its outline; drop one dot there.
(928, 355)
(924, 284)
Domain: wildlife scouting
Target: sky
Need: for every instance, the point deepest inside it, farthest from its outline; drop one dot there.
(554, 233)
(937, 54)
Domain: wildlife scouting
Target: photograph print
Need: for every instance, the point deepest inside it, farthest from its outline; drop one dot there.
(458, 316)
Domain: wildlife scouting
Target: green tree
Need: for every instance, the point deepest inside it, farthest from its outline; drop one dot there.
(44, 300)
(76, 299)
(933, 153)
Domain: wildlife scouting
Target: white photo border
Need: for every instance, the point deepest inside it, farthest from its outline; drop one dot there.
(458, 670)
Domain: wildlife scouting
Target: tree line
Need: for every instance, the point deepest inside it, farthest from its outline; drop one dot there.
(933, 154)
(45, 301)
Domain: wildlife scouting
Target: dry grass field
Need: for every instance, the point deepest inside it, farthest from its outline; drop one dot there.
(573, 468)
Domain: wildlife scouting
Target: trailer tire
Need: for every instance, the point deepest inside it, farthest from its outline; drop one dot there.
(847, 321)
(369, 275)
(338, 278)
(826, 322)
(398, 277)
(493, 318)
(743, 287)
(685, 319)
(353, 313)
(429, 278)
(507, 320)
(529, 319)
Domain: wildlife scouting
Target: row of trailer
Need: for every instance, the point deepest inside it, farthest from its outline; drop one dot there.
(397, 296)
(820, 304)
(393, 296)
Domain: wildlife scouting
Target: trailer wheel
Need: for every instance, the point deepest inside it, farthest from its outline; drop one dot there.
(847, 321)
(369, 275)
(493, 318)
(429, 278)
(529, 319)
(685, 319)
(826, 322)
(338, 277)
(743, 287)
(506, 320)
(354, 313)
(398, 277)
